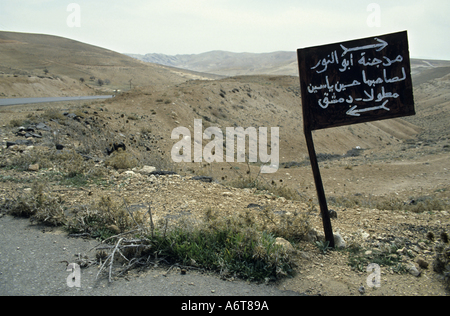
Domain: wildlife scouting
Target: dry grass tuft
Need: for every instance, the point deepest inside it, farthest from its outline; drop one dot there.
(38, 206)
(122, 160)
(105, 218)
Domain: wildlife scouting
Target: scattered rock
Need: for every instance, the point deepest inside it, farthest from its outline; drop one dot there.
(364, 234)
(59, 147)
(445, 238)
(430, 236)
(19, 142)
(413, 270)
(23, 129)
(147, 170)
(305, 255)
(252, 205)
(43, 127)
(203, 179)
(28, 149)
(116, 147)
(333, 214)
(362, 290)
(285, 244)
(162, 173)
(70, 115)
(338, 241)
(27, 132)
(28, 135)
(312, 236)
(95, 159)
(113, 228)
(422, 263)
(34, 167)
(422, 245)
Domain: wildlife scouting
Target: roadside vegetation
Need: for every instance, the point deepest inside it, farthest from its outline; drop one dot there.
(244, 245)
(239, 246)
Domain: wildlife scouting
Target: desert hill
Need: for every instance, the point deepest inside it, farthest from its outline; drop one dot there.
(229, 63)
(258, 100)
(45, 65)
(254, 101)
(274, 63)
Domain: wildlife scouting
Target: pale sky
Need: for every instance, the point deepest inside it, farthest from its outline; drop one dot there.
(256, 26)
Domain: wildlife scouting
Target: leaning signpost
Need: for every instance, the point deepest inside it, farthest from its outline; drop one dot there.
(353, 82)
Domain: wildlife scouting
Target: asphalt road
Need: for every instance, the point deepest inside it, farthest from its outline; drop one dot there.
(30, 264)
(17, 101)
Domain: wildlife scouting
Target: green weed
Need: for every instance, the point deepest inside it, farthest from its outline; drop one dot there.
(226, 246)
(359, 261)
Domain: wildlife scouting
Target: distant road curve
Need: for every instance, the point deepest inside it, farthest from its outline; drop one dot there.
(17, 101)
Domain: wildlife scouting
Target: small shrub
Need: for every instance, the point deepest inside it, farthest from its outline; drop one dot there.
(23, 160)
(15, 123)
(227, 246)
(104, 218)
(231, 246)
(386, 257)
(250, 182)
(324, 246)
(133, 117)
(53, 114)
(441, 263)
(38, 206)
(419, 205)
(291, 226)
(121, 160)
(146, 130)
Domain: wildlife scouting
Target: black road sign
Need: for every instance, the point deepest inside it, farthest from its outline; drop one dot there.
(356, 81)
(353, 82)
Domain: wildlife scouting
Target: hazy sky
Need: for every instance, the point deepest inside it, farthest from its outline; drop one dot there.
(197, 26)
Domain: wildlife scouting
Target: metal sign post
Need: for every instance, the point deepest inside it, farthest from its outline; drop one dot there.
(353, 82)
(320, 191)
